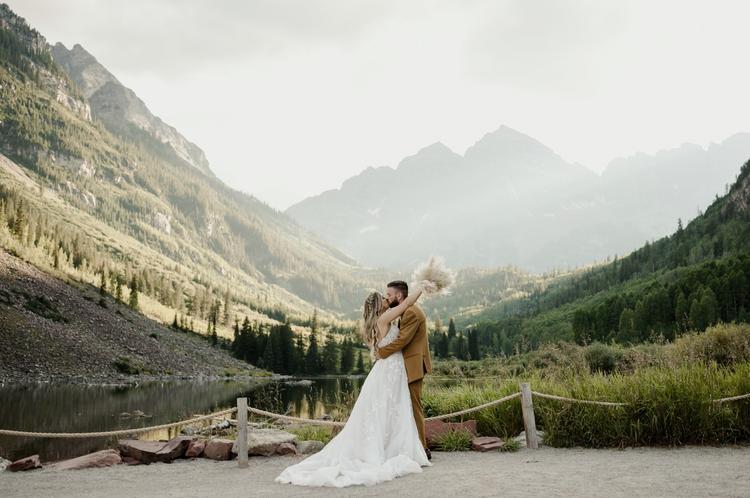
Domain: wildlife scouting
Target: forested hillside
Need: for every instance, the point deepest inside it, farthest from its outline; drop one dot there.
(186, 239)
(692, 279)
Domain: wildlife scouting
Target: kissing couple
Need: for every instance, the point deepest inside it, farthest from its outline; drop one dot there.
(384, 435)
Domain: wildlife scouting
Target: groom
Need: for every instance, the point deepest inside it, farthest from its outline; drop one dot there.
(412, 340)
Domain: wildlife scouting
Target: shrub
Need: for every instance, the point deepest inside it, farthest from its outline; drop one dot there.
(602, 358)
(455, 440)
(725, 344)
(511, 446)
(124, 365)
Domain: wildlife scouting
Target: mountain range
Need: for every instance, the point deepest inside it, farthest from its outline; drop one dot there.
(128, 191)
(511, 200)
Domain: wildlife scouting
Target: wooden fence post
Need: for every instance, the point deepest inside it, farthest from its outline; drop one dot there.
(242, 432)
(529, 422)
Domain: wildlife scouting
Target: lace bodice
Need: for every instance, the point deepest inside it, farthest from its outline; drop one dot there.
(389, 337)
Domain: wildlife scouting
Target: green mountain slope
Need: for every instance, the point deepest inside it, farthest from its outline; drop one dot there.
(687, 281)
(155, 206)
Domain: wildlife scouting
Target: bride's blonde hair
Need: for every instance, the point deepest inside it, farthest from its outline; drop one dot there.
(373, 309)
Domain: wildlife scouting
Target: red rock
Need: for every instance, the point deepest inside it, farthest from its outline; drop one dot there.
(487, 443)
(154, 451)
(287, 449)
(104, 458)
(195, 448)
(143, 451)
(173, 449)
(435, 428)
(218, 449)
(130, 461)
(28, 463)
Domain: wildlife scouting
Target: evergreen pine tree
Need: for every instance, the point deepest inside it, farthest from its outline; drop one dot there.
(462, 352)
(133, 299)
(444, 346)
(360, 363)
(267, 360)
(347, 356)
(102, 282)
(299, 353)
(312, 358)
(682, 312)
(330, 355)
(19, 221)
(451, 329)
(118, 287)
(473, 345)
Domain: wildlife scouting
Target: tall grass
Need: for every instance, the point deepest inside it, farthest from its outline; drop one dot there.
(665, 406)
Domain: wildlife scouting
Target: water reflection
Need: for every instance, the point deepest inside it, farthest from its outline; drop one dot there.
(80, 408)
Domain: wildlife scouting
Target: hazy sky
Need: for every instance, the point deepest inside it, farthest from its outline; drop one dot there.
(290, 98)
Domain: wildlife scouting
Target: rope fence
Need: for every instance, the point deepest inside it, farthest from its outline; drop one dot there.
(123, 432)
(574, 400)
(525, 394)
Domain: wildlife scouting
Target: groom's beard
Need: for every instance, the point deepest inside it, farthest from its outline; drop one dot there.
(393, 304)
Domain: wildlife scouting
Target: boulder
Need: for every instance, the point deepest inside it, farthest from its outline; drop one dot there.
(28, 463)
(265, 441)
(143, 451)
(173, 449)
(130, 461)
(218, 449)
(287, 449)
(154, 451)
(521, 438)
(104, 458)
(195, 448)
(308, 447)
(433, 429)
(486, 443)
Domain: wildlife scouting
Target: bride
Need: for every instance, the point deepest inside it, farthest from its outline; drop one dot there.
(380, 440)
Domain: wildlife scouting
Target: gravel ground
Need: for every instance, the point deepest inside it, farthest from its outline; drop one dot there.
(688, 471)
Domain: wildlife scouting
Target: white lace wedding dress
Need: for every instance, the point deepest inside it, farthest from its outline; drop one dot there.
(379, 441)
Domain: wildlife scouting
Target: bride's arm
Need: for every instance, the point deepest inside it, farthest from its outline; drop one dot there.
(393, 313)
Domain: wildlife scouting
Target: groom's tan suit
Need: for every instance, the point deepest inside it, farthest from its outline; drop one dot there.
(412, 340)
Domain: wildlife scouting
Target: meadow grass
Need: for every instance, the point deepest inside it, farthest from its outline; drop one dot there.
(311, 433)
(665, 406)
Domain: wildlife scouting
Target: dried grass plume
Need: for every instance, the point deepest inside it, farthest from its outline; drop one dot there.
(434, 277)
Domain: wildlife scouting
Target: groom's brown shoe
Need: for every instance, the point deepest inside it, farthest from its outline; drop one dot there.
(428, 453)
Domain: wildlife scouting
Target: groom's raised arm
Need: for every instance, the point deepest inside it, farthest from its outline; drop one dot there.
(409, 327)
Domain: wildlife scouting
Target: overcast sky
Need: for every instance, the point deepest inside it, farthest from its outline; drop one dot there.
(290, 98)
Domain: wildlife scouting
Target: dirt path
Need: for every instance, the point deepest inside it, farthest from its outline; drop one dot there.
(692, 471)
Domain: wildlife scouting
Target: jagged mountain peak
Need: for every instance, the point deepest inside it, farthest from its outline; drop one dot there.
(83, 68)
(120, 109)
(506, 141)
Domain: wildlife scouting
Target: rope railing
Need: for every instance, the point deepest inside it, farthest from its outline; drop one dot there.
(476, 408)
(330, 423)
(574, 400)
(290, 418)
(122, 432)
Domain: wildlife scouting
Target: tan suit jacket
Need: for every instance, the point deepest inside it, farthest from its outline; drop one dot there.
(412, 340)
